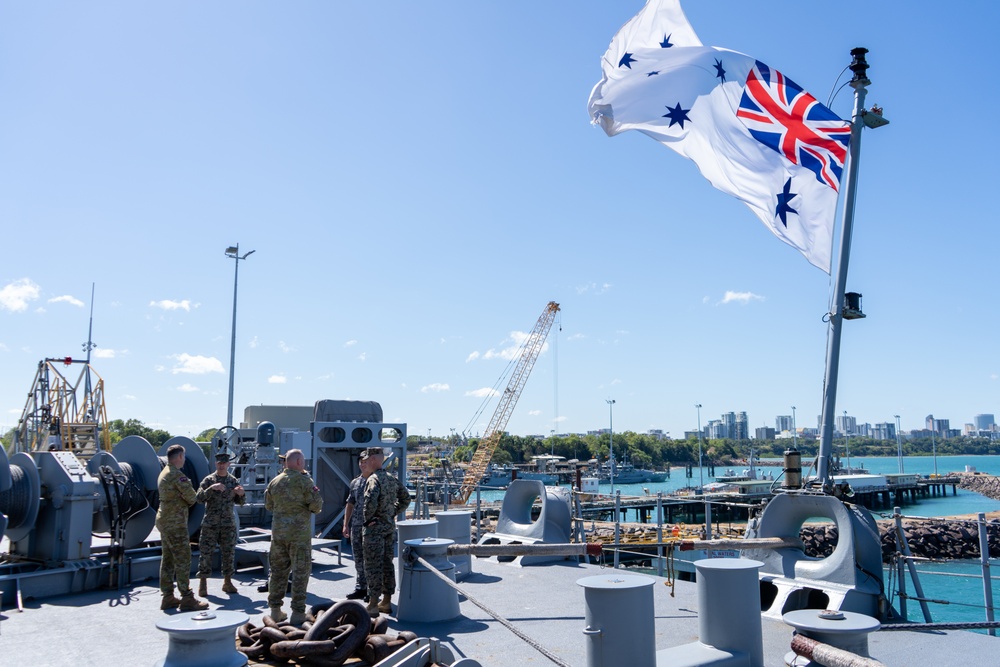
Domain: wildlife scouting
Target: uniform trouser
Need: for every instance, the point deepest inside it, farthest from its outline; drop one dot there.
(357, 546)
(175, 560)
(289, 555)
(377, 544)
(223, 537)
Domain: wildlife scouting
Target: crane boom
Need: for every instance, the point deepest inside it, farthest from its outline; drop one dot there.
(488, 445)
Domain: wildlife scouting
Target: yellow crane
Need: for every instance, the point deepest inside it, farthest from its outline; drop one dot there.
(488, 445)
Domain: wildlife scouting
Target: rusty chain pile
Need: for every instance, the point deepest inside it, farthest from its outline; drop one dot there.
(340, 631)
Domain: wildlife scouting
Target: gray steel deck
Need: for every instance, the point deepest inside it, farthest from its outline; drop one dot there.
(102, 628)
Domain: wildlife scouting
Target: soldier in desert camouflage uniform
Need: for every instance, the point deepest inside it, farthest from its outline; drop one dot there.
(291, 497)
(385, 497)
(219, 491)
(176, 496)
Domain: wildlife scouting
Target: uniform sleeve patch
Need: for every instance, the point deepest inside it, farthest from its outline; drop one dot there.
(182, 478)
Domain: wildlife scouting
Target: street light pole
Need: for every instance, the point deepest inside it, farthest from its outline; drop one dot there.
(611, 441)
(795, 431)
(701, 480)
(934, 450)
(847, 443)
(899, 447)
(234, 252)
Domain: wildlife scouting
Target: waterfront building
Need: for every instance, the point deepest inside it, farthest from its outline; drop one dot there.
(984, 422)
(764, 433)
(741, 428)
(783, 423)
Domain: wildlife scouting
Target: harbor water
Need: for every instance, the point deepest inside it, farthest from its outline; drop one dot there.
(956, 586)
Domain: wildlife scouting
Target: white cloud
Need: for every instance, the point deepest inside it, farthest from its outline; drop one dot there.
(363, 356)
(472, 357)
(435, 387)
(350, 343)
(196, 364)
(615, 381)
(534, 413)
(167, 304)
(66, 298)
(513, 351)
(594, 287)
(576, 336)
(483, 393)
(4, 348)
(254, 342)
(284, 347)
(104, 353)
(186, 387)
(128, 397)
(277, 379)
(993, 376)
(16, 295)
(559, 419)
(740, 297)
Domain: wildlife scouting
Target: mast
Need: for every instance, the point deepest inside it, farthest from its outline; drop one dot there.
(859, 119)
(89, 345)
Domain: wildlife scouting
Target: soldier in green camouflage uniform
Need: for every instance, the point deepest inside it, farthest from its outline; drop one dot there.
(176, 496)
(385, 497)
(291, 497)
(219, 491)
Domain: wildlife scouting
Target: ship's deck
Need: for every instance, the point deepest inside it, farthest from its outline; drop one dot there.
(104, 627)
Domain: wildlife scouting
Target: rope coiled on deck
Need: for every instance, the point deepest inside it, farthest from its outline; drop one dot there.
(500, 619)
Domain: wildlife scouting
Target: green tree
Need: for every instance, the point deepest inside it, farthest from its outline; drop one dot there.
(119, 429)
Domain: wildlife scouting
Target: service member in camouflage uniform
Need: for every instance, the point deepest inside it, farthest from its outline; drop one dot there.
(176, 496)
(291, 497)
(354, 523)
(219, 491)
(385, 497)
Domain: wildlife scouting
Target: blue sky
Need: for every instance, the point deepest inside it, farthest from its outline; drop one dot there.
(419, 179)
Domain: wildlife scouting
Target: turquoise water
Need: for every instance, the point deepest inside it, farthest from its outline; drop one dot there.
(940, 581)
(964, 502)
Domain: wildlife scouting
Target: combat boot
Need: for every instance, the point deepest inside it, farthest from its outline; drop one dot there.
(203, 587)
(277, 615)
(190, 603)
(170, 601)
(228, 587)
(373, 607)
(385, 606)
(298, 618)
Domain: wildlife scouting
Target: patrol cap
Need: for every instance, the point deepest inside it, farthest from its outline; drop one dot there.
(222, 457)
(371, 451)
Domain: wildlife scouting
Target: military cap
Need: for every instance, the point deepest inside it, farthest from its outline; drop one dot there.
(222, 457)
(371, 451)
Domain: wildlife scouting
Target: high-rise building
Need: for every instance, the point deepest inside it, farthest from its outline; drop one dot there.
(846, 424)
(764, 433)
(884, 431)
(742, 428)
(716, 429)
(983, 422)
(783, 423)
(729, 421)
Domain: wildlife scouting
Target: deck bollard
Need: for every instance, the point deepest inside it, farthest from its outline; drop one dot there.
(457, 525)
(423, 597)
(203, 639)
(620, 622)
(412, 529)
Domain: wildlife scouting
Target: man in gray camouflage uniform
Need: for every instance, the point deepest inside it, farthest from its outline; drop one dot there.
(385, 497)
(220, 491)
(177, 494)
(291, 497)
(354, 522)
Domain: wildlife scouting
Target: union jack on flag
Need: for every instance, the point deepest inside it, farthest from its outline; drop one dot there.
(780, 115)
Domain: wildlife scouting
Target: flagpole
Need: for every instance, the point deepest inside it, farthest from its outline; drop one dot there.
(860, 68)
